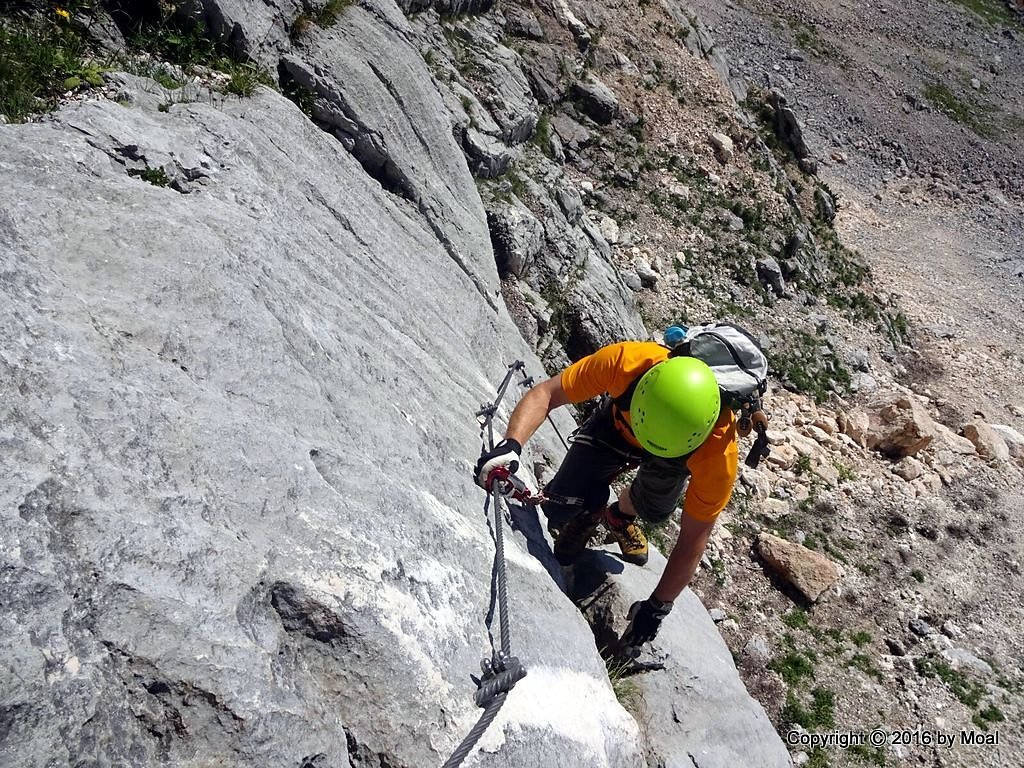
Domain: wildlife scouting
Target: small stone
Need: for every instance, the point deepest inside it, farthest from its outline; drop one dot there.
(810, 572)
(609, 230)
(679, 190)
(860, 359)
(949, 629)
(648, 277)
(717, 615)
(756, 649)
(920, 627)
(773, 509)
(632, 280)
(908, 468)
(896, 648)
(757, 481)
(723, 146)
(975, 83)
(986, 441)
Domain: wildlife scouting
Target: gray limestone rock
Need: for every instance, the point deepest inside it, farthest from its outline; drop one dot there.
(683, 702)
(447, 7)
(519, 22)
(632, 279)
(961, 657)
(787, 126)
(488, 157)
(207, 398)
(572, 134)
(501, 84)
(920, 627)
(543, 69)
(596, 100)
(826, 205)
(769, 272)
(756, 651)
(236, 408)
(516, 234)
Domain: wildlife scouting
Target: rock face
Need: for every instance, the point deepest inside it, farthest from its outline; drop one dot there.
(810, 572)
(680, 702)
(237, 517)
(242, 351)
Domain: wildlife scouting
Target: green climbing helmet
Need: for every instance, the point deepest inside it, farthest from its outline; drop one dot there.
(675, 406)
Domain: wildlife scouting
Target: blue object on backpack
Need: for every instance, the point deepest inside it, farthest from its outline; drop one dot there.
(674, 335)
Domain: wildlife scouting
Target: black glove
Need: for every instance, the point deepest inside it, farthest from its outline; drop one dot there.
(504, 454)
(644, 622)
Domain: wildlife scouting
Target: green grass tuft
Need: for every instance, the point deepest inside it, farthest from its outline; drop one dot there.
(154, 176)
(794, 666)
(992, 11)
(41, 58)
(977, 117)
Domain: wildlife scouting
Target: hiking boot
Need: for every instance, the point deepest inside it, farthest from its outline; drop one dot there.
(574, 537)
(624, 531)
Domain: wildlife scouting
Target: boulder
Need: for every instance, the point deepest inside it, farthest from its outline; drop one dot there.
(573, 135)
(960, 658)
(986, 441)
(757, 481)
(520, 22)
(810, 572)
(908, 468)
(770, 274)
(596, 100)
(955, 443)
(899, 427)
(516, 234)
(1014, 440)
(855, 424)
(488, 157)
(723, 146)
(787, 126)
(648, 277)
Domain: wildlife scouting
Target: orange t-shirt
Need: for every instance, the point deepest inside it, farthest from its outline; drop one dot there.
(712, 467)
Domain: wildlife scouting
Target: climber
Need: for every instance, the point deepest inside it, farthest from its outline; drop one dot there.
(662, 415)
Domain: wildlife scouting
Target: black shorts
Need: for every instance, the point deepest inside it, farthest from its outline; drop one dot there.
(597, 455)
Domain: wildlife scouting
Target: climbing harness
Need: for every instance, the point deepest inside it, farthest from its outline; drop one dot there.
(502, 670)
